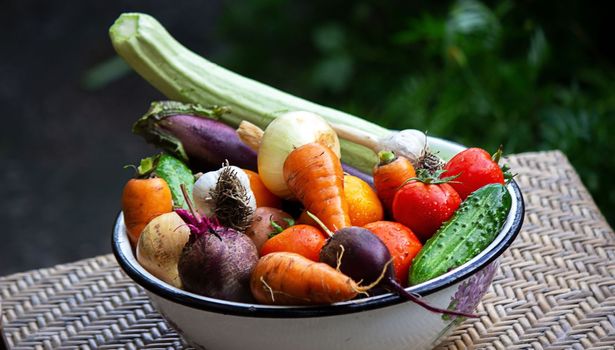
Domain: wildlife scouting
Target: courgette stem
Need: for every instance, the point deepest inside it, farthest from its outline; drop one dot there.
(182, 75)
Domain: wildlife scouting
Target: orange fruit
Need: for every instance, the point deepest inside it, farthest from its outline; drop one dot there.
(402, 244)
(264, 197)
(363, 203)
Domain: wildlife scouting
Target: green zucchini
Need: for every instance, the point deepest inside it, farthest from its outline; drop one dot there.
(182, 75)
(471, 229)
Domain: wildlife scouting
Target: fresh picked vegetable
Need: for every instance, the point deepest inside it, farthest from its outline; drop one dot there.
(424, 204)
(360, 254)
(173, 171)
(182, 75)
(142, 201)
(402, 244)
(284, 278)
(410, 144)
(473, 168)
(390, 174)
(262, 195)
(472, 228)
(195, 135)
(226, 194)
(217, 261)
(160, 245)
(285, 133)
(314, 175)
(263, 222)
(252, 136)
(304, 240)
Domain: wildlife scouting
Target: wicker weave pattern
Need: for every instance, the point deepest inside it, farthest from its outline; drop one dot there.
(556, 284)
(555, 288)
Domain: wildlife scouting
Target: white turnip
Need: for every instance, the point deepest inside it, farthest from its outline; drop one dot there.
(160, 245)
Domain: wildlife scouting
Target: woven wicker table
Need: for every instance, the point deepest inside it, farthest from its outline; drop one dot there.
(555, 288)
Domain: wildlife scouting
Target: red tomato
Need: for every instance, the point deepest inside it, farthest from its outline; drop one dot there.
(424, 207)
(402, 244)
(475, 168)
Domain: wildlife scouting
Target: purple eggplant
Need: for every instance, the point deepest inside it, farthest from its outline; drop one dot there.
(195, 135)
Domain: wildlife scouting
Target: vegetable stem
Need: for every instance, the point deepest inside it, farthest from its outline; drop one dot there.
(357, 136)
(189, 202)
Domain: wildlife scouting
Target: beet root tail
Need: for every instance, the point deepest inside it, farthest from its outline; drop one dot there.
(399, 290)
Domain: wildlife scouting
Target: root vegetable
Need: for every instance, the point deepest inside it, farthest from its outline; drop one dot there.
(281, 137)
(390, 174)
(362, 256)
(161, 244)
(142, 201)
(264, 197)
(314, 175)
(226, 194)
(252, 135)
(284, 278)
(217, 261)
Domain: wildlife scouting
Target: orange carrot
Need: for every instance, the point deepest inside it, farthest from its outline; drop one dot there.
(390, 174)
(284, 278)
(304, 240)
(264, 197)
(142, 201)
(314, 175)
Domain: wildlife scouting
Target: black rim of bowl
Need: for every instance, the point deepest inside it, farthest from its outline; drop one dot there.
(170, 293)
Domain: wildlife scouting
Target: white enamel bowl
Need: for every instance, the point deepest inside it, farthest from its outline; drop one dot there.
(381, 322)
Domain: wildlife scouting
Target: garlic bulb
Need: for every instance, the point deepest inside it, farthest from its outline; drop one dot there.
(409, 143)
(204, 187)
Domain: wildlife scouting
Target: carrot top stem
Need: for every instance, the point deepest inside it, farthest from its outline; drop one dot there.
(386, 157)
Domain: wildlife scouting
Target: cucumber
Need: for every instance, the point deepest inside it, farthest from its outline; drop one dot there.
(473, 227)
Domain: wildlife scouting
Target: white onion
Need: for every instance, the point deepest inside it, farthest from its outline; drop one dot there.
(282, 135)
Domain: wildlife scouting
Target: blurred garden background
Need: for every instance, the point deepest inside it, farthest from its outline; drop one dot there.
(530, 75)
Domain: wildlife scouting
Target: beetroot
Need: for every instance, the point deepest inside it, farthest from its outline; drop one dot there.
(362, 256)
(217, 261)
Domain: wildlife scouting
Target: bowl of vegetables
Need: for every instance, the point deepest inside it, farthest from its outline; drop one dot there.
(273, 222)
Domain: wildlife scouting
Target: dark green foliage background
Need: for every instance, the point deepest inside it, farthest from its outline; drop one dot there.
(529, 75)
